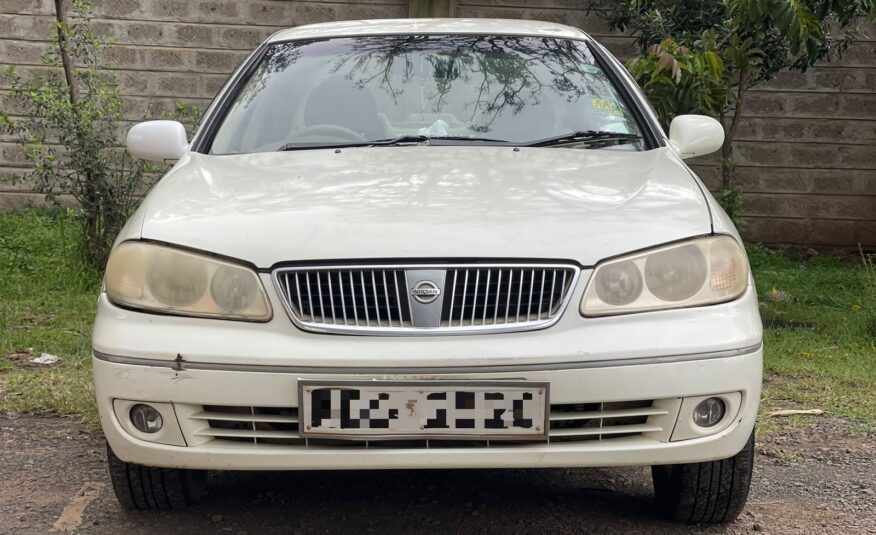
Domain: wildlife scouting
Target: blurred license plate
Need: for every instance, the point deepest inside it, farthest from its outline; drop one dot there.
(497, 410)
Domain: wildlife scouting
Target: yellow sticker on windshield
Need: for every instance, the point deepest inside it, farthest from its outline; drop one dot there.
(606, 105)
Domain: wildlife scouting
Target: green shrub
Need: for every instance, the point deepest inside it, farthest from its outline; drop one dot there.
(77, 103)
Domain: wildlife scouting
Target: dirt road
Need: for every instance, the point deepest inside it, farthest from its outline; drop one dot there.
(53, 477)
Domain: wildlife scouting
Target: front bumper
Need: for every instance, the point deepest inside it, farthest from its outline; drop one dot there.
(664, 357)
(190, 389)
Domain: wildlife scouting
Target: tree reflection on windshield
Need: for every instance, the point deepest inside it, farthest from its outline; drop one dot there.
(516, 88)
(501, 67)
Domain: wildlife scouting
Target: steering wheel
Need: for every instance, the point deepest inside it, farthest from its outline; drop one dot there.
(330, 130)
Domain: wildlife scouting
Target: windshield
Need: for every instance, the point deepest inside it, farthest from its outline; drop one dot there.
(452, 89)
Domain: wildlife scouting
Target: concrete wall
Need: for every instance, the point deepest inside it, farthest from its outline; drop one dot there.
(806, 150)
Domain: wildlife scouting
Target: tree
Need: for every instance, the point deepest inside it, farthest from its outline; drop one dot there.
(77, 104)
(702, 56)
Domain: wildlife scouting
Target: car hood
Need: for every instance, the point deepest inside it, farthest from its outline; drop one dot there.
(426, 202)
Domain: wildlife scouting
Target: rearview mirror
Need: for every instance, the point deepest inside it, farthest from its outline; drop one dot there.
(157, 141)
(695, 135)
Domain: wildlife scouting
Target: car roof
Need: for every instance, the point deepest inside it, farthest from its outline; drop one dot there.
(352, 28)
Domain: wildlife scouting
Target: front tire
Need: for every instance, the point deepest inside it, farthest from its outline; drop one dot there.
(147, 488)
(709, 492)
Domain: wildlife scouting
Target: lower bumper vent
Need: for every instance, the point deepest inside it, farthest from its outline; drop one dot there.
(568, 423)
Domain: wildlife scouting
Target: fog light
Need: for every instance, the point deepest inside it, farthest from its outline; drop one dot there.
(709, 412)
(146, 419)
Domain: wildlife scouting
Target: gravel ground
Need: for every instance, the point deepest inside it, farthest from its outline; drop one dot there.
(53, 477)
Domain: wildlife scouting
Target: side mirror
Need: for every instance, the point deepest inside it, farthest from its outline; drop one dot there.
(695, 135)
(157, 141)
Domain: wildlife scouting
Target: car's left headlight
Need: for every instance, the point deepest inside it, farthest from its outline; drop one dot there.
(696, 272)
(163, 279)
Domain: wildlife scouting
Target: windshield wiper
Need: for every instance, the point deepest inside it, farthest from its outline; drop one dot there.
(583, 136)
(400, 140)
(412, 138)
(469, 139)
(428, 139)
(314, 146)
(349, 144)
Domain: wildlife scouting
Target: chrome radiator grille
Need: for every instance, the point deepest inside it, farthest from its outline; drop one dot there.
(356, 297)
(425, 299)
(500, 296)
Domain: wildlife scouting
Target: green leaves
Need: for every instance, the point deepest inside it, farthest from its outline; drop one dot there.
(803, 31)
(680, 80)
(741, 53)
(760, 37)
(700, 56)
(666, 62)
(716, 64)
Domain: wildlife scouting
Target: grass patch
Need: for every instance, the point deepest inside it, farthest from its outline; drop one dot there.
(47, 303)
(819, 314)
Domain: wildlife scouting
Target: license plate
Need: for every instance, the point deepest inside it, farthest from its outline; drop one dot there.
(363, 410)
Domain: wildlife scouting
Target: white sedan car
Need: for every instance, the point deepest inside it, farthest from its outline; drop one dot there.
(430, 244)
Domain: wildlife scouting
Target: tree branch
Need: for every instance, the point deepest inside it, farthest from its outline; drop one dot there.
(65, 56)
(740, 94)
(730, 133)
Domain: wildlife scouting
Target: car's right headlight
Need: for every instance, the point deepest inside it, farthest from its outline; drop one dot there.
(696, 272)
(163, 279)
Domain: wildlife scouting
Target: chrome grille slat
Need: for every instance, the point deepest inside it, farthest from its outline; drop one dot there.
(486, 298)
(309, 296)
(602, 431)
(298, 288)
(519, 295)
(462, 308)
(365, 298)
(289, 289)
(319, 289)
(553, 287)
(376, 302)
(452, 297)
(592, 415)
(395, 275)
(541, 294)
(498, 293)
(259, 426)
(235, 417)
(331, 297)
(482, 297)
(474, 296)
(386, 299)
(508, 300)
(563, 284)
(246, 433)
(343, 300)
(353, 294)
